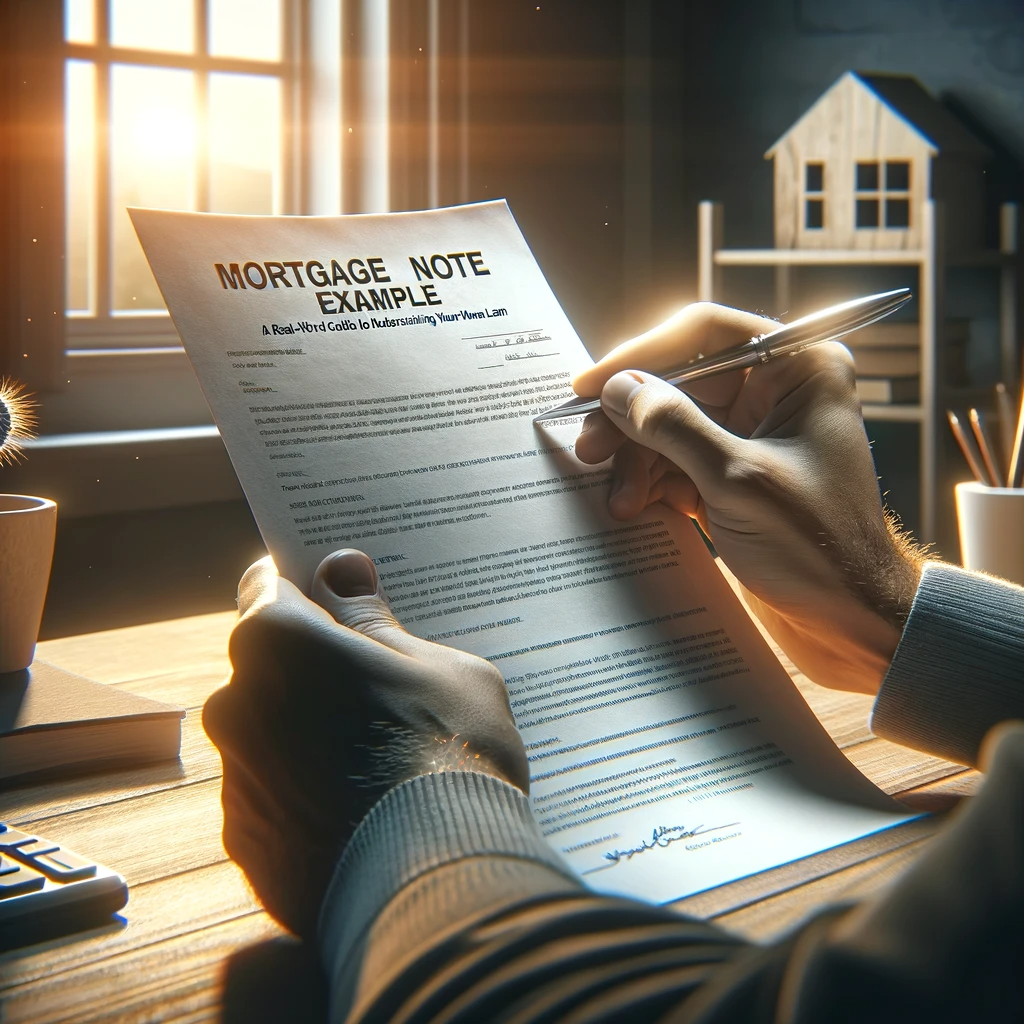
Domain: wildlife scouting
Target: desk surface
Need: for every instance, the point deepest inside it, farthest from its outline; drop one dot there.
(196, 945)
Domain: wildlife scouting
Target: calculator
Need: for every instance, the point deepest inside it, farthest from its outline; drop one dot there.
(48, 890)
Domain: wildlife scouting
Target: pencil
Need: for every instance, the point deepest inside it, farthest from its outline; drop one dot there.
(1004, 403)
(967, 447)
(985, 447)
(1017, 458)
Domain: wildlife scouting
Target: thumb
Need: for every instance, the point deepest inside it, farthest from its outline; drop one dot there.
(347, 586)
(660, 417)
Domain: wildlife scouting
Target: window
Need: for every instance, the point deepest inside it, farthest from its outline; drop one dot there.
(878, 194)
(180, 104)
(814, 201)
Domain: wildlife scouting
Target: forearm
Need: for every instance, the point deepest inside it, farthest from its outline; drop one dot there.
(959, 667)
(506, 937)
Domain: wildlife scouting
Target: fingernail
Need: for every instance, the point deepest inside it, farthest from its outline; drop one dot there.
(619, 390)
(350, 573)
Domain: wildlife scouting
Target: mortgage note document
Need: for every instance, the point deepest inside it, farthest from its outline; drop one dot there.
(374, 378)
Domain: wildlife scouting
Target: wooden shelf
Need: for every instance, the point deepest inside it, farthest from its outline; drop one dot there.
(893, 413)
(817, 257)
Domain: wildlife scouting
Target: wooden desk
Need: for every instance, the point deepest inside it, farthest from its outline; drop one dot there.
(196, 945)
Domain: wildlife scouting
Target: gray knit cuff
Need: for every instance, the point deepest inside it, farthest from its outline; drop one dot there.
(420, 825)
(959, 667)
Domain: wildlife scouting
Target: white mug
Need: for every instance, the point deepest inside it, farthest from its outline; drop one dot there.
(991, 522)
(27, 530)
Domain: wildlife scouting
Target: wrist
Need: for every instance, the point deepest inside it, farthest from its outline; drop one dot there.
(457, 754)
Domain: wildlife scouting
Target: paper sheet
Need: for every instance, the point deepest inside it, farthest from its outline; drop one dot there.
(374, 379)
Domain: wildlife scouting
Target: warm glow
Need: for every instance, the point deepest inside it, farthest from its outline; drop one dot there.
(162, 132)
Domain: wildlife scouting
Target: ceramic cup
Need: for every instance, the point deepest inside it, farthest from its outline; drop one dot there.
(991, 521)
(27, 530)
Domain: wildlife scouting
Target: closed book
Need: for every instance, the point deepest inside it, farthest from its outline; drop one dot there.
(888, 390)
(887, 362)
(902, 334)
(55, 722)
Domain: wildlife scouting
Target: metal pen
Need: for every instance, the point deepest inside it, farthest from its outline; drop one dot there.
(825, 325)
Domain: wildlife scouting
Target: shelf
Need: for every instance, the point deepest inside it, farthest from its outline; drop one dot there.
(816, 257)
(895, 413)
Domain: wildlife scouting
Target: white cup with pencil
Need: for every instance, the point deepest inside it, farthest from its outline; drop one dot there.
(990, 508)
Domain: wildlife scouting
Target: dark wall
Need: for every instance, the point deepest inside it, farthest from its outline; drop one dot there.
(752, 67)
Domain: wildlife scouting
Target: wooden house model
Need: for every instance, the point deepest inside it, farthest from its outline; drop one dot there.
(855, 170)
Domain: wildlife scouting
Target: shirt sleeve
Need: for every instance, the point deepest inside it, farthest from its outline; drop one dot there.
(486, 926)
(959, 666)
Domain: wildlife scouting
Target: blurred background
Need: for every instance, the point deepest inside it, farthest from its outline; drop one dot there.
(603, 123)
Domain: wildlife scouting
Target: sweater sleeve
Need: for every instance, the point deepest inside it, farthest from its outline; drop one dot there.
(446, 910)
(959, 666)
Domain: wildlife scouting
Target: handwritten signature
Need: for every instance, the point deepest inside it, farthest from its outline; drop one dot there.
(662, 836)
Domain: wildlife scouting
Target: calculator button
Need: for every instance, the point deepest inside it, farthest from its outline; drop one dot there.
(34, 848)
(22, 880)
(64, 866)
(12, 837)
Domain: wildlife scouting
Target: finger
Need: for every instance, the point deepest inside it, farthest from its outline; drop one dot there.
(258, 584)
(347, 586)
(701, 328)
(632, 480)
(777, 396)
(598, 440)
(660, 417)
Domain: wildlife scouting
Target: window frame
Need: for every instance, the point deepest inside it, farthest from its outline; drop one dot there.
(817, 196)
(882, 194)
(136, 333)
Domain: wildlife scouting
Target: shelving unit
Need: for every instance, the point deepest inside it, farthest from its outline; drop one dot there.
(931, 262)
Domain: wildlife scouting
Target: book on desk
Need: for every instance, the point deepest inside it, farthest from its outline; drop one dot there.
(52, 721)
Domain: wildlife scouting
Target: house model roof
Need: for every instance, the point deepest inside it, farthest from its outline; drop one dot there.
(909, 99)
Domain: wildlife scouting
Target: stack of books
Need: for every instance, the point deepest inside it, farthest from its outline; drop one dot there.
(888, 358)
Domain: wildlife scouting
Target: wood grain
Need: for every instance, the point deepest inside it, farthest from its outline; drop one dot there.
(199, 762)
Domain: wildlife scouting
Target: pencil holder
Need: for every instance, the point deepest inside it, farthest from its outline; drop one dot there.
(991, 524)
(27, 530)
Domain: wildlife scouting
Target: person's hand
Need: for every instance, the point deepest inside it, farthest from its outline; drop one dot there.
(774, 465)
(330, 704)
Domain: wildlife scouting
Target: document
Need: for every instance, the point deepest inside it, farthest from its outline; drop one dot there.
(374, 378)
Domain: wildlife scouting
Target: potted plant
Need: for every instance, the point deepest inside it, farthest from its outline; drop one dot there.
(27, 530)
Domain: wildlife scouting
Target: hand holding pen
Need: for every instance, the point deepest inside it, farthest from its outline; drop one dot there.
(774, 464)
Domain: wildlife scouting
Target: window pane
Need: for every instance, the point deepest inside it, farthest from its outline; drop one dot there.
(867, 177)
(897, 176)
(80, 157)
(150, 25)
(245, 144)
(897, 213)
(153, 156)
(867, 213)
(246, 28)
(815, 214)
(80, 21)
(814, 180)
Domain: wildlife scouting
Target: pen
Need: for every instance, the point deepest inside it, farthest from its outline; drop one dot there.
(1016, 472)
(967, 447)
(985, 447)
(825, 325)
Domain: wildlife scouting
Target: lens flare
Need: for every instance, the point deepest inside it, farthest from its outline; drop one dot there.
(17, 420)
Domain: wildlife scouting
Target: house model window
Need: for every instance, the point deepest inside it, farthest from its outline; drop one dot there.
(855, 169)
(814, 190)
(882, 190)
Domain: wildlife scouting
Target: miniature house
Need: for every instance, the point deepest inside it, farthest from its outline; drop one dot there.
(853, 172)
